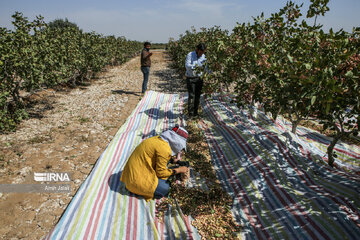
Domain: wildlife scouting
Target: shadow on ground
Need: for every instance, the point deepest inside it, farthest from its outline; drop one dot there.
(125, 92)
(169, 81)
(37, 107)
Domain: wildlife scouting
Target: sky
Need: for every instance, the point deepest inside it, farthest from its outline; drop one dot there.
(158, 20)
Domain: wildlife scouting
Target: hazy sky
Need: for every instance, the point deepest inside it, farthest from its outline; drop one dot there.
(158, 20)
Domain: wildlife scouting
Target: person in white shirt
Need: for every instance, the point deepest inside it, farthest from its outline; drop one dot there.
(194, 79)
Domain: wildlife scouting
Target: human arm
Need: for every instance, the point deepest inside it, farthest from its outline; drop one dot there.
(178, 157)
(161, 167)
(189, 64)
(162, 158)
(146, 54)
(181, 169)
(192, 62)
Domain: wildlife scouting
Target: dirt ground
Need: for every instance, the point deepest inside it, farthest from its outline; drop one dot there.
(67, 131)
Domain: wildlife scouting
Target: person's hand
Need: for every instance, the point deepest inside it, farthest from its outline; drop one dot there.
(150, 54)
(178, 157)
(182, 169)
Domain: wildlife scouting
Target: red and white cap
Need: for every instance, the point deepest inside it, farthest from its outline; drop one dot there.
(180, 131)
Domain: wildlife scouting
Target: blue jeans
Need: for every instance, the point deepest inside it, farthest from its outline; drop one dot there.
(162, 189)
(146, 72)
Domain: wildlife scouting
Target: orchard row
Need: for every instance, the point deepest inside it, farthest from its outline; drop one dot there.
(287, 65)
(35, 55)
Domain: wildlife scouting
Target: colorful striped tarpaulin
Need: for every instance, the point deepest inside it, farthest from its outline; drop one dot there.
(102, 208)
(281, 185)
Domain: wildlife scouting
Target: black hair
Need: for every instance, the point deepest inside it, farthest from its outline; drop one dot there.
(201, 47)
(146, 43)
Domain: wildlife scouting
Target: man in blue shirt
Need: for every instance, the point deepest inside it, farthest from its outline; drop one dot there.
(194, 79)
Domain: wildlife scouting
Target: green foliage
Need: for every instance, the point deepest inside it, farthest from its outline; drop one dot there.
(36, 54)
(286, 65)
(62, 23)
(317, 7)
(158, 45)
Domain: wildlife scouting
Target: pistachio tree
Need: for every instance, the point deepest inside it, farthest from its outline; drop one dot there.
(35, 55)
(288, 65)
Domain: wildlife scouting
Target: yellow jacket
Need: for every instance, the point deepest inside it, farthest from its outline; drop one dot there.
(146, 164)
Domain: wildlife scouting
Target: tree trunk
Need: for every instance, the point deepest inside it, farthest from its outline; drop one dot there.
(16, 95)
(294, 125)
(331, 148)
(277, 114)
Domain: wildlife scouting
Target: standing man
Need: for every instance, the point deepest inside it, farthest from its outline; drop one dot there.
(145, 64)
(194, 79)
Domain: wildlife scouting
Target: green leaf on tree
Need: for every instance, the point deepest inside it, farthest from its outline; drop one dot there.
(313, 99)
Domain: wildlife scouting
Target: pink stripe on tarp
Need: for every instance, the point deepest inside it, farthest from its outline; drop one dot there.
(104, 189)
(162, 227)
(188, 226)
(135, 222)
(130, 212)
(250, 212)
(49, 235)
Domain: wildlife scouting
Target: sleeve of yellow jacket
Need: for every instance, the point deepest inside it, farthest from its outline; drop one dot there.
(145, 165)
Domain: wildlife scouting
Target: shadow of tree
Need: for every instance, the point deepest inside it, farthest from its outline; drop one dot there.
(152, 133)
(156, 113)
(37, 107)
(270, 171)
(125, 92)
(169, 81)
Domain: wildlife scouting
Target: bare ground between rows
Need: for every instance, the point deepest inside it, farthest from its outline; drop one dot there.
(67, 132)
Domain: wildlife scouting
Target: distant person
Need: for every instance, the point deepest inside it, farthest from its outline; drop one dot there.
(194, 80)
(145, 172)
(145, 64)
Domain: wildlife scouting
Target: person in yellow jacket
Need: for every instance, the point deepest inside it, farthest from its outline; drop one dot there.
(146, 172)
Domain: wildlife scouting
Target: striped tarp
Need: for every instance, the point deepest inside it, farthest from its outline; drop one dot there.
(281, 185)
(102, 208)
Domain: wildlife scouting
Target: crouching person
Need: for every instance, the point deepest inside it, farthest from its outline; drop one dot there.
(146, 172)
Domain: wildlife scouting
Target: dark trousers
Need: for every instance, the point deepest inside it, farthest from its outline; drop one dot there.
(146, 72)
(194, 86)
(162, 189)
